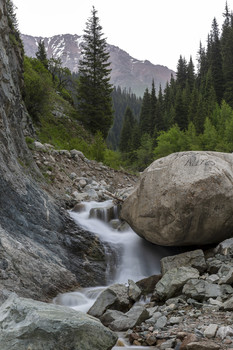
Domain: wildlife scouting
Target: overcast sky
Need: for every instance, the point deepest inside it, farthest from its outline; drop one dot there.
(157, 30)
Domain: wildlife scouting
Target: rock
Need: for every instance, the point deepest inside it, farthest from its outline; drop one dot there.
(203, 345)
(114, 297)
(225, 247)
(105, 214)
(228, 304)
(134, 291)
(224, 331)
(210, 331)
(202, 290)
(169, 206)
(161, 322)
(156, 315)
(212, 278)
(79, 208)
(79, 154)
(169, 344)
(147, 285)
(172, 281)
(118, 321)
(193, 258)
(39, 146)
(226, 274)
(176, 320)
(48, 326)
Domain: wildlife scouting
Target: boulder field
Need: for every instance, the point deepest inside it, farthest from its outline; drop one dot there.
(183, 199)
(188, 307)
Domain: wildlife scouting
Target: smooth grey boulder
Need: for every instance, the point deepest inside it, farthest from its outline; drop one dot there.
(202, 290)
(173, 280)
(114, 297)
(193, 258)
(183, 199)
(30, 324)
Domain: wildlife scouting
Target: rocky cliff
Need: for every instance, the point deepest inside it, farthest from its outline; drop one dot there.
(127, 72)
(41, 251)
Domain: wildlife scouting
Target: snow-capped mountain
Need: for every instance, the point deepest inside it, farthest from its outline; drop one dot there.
(127, 72)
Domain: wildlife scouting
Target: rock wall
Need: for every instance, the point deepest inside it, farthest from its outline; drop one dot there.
(41, 251)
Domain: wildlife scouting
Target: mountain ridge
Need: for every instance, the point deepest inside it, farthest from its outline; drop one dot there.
(127, 72)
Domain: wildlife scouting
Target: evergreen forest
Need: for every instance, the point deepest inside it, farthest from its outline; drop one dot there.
(195, 110)
(112, 125)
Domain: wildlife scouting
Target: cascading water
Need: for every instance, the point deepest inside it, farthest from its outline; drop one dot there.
(136, 258)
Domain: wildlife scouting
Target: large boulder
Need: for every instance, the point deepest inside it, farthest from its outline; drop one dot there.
(183, 199)
(30, 324)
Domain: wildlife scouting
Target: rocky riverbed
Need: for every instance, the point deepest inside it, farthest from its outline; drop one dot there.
(189, 306)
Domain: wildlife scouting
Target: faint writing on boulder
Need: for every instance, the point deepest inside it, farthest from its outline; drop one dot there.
(193, 161)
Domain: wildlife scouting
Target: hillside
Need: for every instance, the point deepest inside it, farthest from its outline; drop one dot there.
(127, 72)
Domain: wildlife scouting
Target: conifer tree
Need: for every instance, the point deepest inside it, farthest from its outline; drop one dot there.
(216, 61)
(145, 115)
(153, 106)
(94, 89)
(41, 54)
(227, 56)
(126, 141)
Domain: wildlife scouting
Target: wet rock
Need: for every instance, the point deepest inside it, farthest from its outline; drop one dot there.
(48, 326)
(79, 208)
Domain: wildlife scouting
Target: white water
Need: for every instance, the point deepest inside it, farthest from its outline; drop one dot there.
(136, 258)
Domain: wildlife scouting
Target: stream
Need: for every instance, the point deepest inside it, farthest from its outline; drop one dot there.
(136, 258)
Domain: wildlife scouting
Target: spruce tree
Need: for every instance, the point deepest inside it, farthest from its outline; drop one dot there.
(227, 56)
(94, 89)
(216, 61)
(126, 138)
(145, 115)
(41, 54)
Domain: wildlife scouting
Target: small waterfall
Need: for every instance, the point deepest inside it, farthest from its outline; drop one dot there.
(135, 258)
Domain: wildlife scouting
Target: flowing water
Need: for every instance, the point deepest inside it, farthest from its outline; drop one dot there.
(136, 258)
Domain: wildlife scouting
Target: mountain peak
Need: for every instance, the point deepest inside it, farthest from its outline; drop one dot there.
(127, 71)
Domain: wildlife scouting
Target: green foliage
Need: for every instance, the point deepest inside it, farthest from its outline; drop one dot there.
(37, 88)
(144, 152)
(13, 25)
(169, 142)
(98, 147)
(113, 159)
